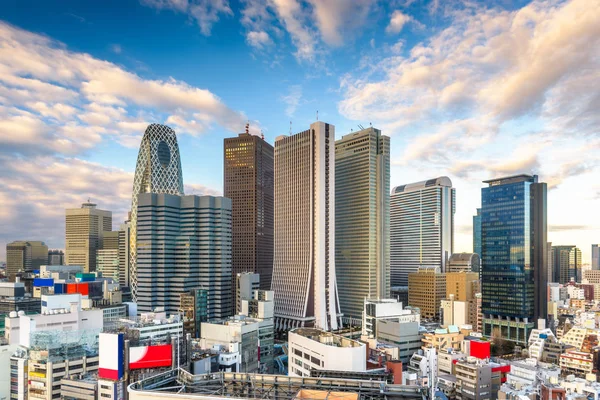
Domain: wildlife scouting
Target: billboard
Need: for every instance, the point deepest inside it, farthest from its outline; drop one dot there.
(480, 349)
(111, 351)
(150, 356)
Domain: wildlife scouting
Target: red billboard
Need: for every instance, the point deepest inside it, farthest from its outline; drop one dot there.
(480, 349)
(150, 356)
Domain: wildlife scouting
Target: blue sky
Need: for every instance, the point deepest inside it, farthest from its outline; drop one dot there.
(471, 90)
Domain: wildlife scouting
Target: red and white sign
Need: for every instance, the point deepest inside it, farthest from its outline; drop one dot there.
(111, 361)
(150, 356)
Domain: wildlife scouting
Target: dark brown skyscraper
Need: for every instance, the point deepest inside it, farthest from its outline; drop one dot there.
(248, 182)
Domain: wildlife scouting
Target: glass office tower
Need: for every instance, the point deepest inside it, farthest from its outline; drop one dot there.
(514, 256)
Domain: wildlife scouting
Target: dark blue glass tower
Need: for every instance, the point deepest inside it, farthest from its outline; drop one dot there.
(477, 234)
(514, 256)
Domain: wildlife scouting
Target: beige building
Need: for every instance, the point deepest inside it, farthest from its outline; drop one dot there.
(25, 256)
(426, 290)
(84, 229)
(460, 305)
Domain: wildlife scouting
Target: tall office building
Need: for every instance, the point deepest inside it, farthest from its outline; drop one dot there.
(362, 219)
(514, 276)
(124, 259)
(550, 264)
(477, 233)
(304, 279)
(426, 290)
(158, 170)
(25, 256)
(566, 263)
(83, 233)
(595, 257)
(421, 227)
(183, 243)
(248, 182)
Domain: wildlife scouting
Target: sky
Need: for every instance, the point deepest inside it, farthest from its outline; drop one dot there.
(470, 90)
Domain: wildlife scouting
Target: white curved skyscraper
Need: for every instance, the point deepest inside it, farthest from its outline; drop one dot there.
(158, 170)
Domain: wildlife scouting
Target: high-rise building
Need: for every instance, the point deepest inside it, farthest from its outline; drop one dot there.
(248, 182)
(566, 263)
(550, 264)
(56, 257)
(193, 307)
(158, 170)
(83, 233)
(304, 279)
(426, 290)
(421, 227)
(469, 262)
(183, 243)
(124, 259)
(514, 276)
(25, 256)
(362, 219)
(477, 233)
(595, 257)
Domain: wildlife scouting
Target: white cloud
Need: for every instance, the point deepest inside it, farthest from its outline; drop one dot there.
(258, 39)
(116, 48)
(397, 22)
(292, 99)
(205, 12)
(338, 17)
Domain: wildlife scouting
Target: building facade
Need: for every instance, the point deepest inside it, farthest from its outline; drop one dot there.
(314, 349)
(184, 243)
(246, 284)
(24, 256)
(477, 232)
(362, 225)
(566, 263)
(84, 229)
(421, 227)
(56, 257)
(467, 262)
(248, 182)
(304, 278)
(158, 170)
(514, 276)
(426, 290)
(596, 256)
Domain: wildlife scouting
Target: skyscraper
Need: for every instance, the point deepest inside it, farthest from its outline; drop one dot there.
(124, 248)
(566, 263)
(25, 256)
(595, 257)
(304, 279)
(514, 276)
(248, 182)
(421, 227)
(184, 243)
(158, 170)
(477, 233)
(362, 219)
(83, 230)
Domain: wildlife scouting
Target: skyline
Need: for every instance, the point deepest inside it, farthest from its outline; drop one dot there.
(74, 104)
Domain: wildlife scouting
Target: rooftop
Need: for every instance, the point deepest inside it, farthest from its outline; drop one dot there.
(410, 187)
(326, 338)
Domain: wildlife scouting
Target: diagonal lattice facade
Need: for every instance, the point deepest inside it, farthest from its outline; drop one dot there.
(158, 170)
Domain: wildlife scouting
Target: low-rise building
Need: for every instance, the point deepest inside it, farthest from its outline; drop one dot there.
(79, 387)
(310, 348)
(402, 332)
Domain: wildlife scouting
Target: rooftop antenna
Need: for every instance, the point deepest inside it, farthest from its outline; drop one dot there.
(317, 115)
(262, 135)
(370, 124)
(290, 127)
(248, 128)
(360, 126)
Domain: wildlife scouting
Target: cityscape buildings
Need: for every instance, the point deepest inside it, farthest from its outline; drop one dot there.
(84, 228)
(513, 275)
(158, 170)
(184, 243)
(24, 256)
(566, 263)
(56, 257)
(248, 182)
(304, 278)
(477, 232)
(362, 207)
(426, 290)
(421, 227)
